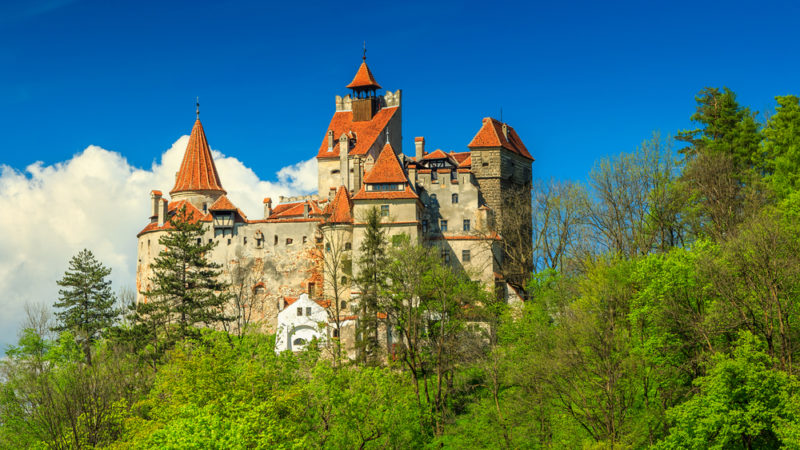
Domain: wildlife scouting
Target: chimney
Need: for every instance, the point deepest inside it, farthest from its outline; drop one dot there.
(356, 173)
(267, 207)
(330, 140)
(344, 162)
(162, 211)
(505, 131)
(155, 200)
(419, 143)
(305, 210)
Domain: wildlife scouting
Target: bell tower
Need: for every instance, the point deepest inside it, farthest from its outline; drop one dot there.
(364, 86)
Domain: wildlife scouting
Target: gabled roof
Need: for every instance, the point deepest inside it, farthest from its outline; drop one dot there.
(197, 172)
(364, 78)
(296, 209)
(467, 162)
(172, 208)
(222, 204)
(365, 131)
(341, 207)
(437, 154)
(460, 157)
(387, 168)
(491, 135)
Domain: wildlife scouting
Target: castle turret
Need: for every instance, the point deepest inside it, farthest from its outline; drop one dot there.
(197, 180)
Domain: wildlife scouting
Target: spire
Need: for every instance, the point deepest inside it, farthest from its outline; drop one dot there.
(197, 172)
(364, 81)
(198, 108)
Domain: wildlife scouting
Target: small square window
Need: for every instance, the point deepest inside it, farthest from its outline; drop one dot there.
(465, 256)
(305, 239)
(199, 241)
(443, 225)
(348, 246)
(466, 224)
(229, 241)
(288, 241)
(384, 210)
(244, 240)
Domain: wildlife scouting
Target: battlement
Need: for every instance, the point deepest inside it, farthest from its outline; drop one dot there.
(388, 100)
(298, 198)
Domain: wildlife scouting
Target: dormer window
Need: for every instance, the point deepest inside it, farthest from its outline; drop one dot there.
(385, 187)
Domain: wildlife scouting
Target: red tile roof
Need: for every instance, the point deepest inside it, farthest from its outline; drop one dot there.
(363, 194)
(437, 154)
(286, 210)
(491, 135)
(364, 79)
(366, 131)
(340, 209)
(197, 171)
(460, 157)
(172, 208)
(387, 168)
(467, 162)
(222, 204)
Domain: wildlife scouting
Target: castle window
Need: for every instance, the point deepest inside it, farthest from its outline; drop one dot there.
(466, 224)
(424, 226)
(433, 199)
(344, 280)
(276, 240)
(454, 176)
(299, 341)
(465, 256)
(288, 241)
(199, 241)
(229, 241)
(446, 256)
(205, 208)
(327, 246)
(210, 240)
(443, 225)
(336, 332)
(454, 198)
(258, 290)
(334, 171)
(434, 176)
(244, 240)
(384, 210)
(311, 289)
(385, 187)
(305, 239)
(299, 312)
(343, 305)
(348, 246)
(308, 311)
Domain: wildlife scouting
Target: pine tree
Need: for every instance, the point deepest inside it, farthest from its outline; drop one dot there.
(186, 288)
(86, 300)
(371, 279)
(782, 146)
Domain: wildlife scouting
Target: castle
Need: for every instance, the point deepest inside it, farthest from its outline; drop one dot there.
(282, 262)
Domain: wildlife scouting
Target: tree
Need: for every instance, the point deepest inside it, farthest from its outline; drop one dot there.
(741, 403)
(722, 159)
(337, 271)
(371, 280)
(558, 219)
(86, 300)
(781, 146)
(186, 289)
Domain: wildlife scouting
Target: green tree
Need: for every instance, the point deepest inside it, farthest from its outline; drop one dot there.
(723, 157)
(781, 146)
(86, 300)
(742, 403)
(185, 283)
(371, 280)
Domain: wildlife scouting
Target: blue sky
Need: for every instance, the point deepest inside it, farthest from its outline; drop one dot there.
(577, 80)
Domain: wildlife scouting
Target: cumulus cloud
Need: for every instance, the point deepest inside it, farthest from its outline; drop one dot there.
(97, 200)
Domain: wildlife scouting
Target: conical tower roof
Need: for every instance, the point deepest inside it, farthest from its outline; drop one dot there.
(363, 79)
(197, 172)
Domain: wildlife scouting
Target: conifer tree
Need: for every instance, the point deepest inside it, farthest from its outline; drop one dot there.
(186, 290)
(86, 300)
(371, 280)
(782, 146)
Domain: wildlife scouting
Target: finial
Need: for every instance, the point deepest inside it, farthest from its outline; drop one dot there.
(197, 103)
(387, 135)
(364, 57)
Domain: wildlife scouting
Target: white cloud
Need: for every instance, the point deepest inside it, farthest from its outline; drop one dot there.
(96, 200)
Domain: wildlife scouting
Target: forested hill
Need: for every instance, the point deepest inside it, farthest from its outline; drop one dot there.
(662, 311)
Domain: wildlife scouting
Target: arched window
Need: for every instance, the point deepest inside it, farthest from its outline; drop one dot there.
(454, 198)
(343, 305)
(299, 341)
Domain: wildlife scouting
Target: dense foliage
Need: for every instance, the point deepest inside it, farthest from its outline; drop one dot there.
(662, 312)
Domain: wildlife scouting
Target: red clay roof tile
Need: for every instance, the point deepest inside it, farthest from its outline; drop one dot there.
(197, 171)
(364, 79)
(222, 204)
(387, 168)
(341, 207)
(491, 135)
(406, 193)
(366, 131)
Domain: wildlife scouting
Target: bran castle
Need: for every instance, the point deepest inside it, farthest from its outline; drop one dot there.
(451, 201)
